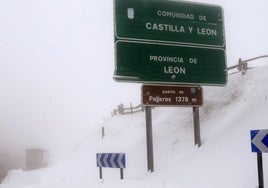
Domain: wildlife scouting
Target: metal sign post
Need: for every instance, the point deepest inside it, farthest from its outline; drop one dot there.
(260, 170)
(149, 139)
(100, 170)
(197, 135)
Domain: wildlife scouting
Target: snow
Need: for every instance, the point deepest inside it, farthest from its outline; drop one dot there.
(224, 159)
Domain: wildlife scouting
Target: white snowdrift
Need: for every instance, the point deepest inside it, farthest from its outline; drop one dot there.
(224, 159)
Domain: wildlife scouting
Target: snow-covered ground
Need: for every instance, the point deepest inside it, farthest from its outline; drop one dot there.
(224, 160)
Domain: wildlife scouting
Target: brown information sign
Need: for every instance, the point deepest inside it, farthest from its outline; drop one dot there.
(167, 95)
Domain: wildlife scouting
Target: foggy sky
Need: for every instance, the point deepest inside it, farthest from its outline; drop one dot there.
(57, 63)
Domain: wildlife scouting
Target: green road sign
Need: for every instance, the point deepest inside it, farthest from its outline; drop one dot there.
(165, 63)
(166, 41)
(169, 21)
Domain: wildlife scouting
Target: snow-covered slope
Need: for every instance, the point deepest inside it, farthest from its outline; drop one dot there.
(224, 159)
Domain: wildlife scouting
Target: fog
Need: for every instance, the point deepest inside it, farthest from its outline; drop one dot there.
(57, 62)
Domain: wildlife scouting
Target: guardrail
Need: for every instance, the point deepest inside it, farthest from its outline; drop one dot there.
(127, 110)
(242, 65)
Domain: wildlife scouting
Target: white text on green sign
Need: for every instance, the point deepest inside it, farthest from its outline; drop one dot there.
(169, 21)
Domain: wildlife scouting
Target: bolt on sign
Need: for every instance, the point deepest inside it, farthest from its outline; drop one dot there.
(157, 95)
(169, 42)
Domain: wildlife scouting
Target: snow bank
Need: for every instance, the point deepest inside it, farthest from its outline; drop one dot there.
(224, 159)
